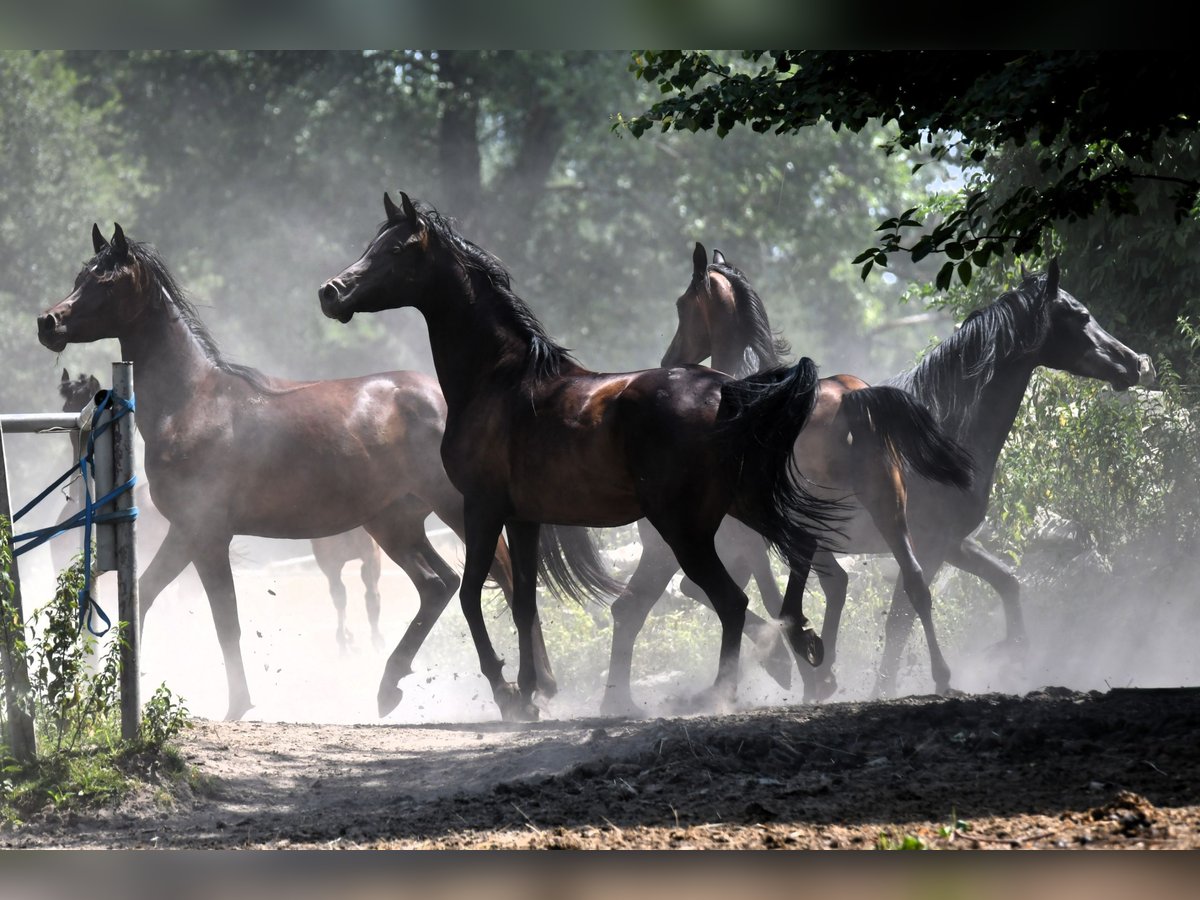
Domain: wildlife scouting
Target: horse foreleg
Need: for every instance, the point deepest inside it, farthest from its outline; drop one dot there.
(914, 585)
(501, 571)
(481, 526)
(970, 556)
(654, 572)
(449, 509)
(212, 564)
(169, 561)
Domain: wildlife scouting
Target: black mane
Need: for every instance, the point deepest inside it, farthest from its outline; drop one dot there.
(951, 378)
(546, 358)
(765, 349)
(149, 265)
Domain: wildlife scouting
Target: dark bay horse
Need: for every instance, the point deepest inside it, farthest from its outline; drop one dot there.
(855, 447)
(973, 383)
(230, 451)
(532, 437)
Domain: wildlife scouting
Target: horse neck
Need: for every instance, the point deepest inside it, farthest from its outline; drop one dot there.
(983, 427)
(168, 362)
(728, 351)
(470, 344)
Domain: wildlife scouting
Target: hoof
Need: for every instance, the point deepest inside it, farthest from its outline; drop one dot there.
(388, 698)
(820, 688)
(513, 706)
(377, 642)
(944, 690)
(712, 701)
(547, 686)
(237, 709)
(621, 708)
(813, 647)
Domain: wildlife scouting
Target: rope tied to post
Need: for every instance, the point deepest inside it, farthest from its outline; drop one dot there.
(88, 516)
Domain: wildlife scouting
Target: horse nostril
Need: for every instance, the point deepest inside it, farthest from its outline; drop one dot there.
(46, 322)
(328, 293)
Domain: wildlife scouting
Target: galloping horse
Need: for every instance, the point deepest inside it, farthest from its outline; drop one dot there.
(972, 382)
(230, 450)
(855, 445)
(532, 437)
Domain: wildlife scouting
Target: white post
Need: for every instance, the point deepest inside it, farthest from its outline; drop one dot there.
(126, 558)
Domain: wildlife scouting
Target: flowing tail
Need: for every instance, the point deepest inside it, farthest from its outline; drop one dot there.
(570, 565)
(757, 425)
(898, 420)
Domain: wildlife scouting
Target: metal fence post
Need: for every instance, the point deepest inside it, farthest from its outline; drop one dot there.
(21, 739)
(126, 545)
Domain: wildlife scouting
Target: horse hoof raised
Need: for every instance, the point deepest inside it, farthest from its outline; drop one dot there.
(813, 647)
(388, 698)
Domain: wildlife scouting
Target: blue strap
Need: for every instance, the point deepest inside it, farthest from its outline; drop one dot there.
(86, 517)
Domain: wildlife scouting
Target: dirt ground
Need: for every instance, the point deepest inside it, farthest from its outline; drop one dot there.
(1054, 769)
(1047, 768)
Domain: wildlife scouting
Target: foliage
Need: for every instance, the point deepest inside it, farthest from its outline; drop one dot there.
(75, 704)
(1096, 128)
(1122, 466)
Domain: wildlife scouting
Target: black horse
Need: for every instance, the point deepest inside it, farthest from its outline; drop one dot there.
(532, 437)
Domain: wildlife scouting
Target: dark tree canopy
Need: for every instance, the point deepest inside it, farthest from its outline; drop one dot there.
(1098, 120)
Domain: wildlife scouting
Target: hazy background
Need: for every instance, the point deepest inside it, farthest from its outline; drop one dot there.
(260, 174)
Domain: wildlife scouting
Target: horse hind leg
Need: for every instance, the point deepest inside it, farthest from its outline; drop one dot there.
(332, 570)
(403, 539)
(370, 573)
(629, 611)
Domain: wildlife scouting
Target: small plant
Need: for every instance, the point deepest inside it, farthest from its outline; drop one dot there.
(163, 717)
(907, 842)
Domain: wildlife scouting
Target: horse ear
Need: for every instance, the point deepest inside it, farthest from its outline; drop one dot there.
(699, 261)
(1052, 278)
(1024, 271)
(410, 211)
(719, 258)
(98, 241)
(120, 246)
(393, 212)
(93, 385)
(66, 377)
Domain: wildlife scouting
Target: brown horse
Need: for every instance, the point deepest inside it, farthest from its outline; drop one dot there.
(532, 437)
(230, 450)
(973, 383)
(331, 553)
(855, 446)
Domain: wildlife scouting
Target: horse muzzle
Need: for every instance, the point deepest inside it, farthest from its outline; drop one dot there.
(51, 333)
(331, 303)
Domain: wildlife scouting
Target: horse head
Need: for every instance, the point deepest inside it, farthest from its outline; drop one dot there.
(102, 299)
(398, 255)
(77, 392)
(1076, 343)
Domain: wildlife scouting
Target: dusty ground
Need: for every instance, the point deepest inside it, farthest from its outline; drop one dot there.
(1053, 769)
(1029, 768)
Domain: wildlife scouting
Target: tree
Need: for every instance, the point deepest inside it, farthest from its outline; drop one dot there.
(1097, 121)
